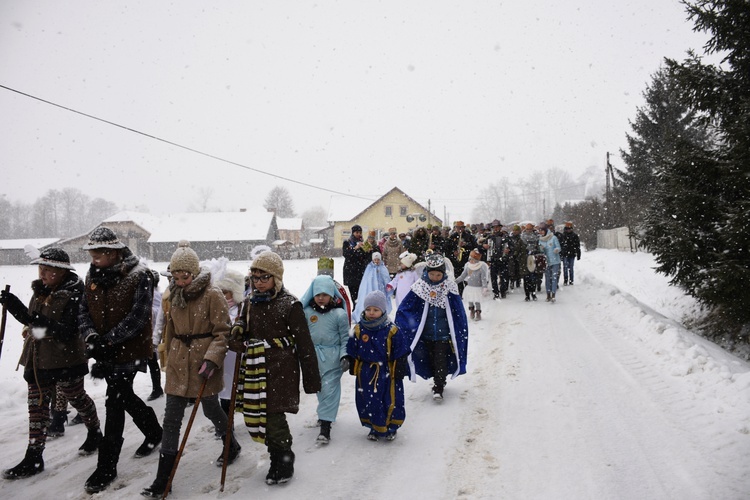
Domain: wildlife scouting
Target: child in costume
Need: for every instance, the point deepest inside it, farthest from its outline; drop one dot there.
(329, 329)
(433, 319)
(325, 267)
(197, 329)
(477, 277)
(405, 278)
(378, 351)
(376, 277)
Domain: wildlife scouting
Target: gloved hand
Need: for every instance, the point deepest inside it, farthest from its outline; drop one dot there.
(402, 368)
(14, 306)
(98, 348)
(579, 258)
(344, 364)
(237, 332)
(207, 369)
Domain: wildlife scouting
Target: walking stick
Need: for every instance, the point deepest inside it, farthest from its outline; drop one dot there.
(2, 322)
(230, 419)
(184, 439)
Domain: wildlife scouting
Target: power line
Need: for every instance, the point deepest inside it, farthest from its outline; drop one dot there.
(175, 144)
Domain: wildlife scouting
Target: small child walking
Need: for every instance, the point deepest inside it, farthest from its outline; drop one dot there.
(405, 278)
(476, 274)
(376, 277)
(378, 350)
(329, 328)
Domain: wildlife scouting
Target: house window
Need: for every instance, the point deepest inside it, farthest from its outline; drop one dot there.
(228, 250)
(402, 210)
(388, 211)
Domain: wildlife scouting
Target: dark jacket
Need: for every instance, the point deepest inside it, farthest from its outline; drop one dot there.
(355, 262)
(282, 316)
(570, 245)
(59, 355)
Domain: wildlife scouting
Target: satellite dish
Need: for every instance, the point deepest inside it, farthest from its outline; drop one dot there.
(409, 218)
(422, 217)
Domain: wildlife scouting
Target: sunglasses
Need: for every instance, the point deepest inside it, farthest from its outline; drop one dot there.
(263, 279)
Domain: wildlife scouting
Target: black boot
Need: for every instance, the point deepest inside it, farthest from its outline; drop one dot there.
(234, 451)
(166, 464)
(273, 472)
(32, 463)
(57, 425)
(148, 424)
(93, 439)
(106, 466)
(325, 432)
(155, 394)
(286, 466)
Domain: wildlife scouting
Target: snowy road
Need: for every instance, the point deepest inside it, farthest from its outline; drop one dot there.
(599, 396)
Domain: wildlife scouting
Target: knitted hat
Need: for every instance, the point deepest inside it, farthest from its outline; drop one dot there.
(323, 284)
(376, 255)
(408, 260)
(435, 262)
(376, 299)
(185, 259)
(325, 266)
(392, 230)
(53, 257)
(356, 227)
(233, 281)
(103, 237)
(272, 264)
(475, 254)
(516, 227)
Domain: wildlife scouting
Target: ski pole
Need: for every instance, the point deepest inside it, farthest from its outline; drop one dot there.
(230, 419)
(184, 439)
(2, 322)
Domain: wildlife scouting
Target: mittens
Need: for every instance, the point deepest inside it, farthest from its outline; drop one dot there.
(207, 369)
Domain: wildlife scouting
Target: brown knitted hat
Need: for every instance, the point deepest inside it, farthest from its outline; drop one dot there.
(272, 264)
(185, 259)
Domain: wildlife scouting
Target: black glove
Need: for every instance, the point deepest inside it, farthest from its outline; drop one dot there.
(344, 364)
(579, 258)
(98, 348)
(14, 306)
(402, 368)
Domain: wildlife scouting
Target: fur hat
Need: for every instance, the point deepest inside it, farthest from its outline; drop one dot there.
(53, 257)
(272, 264)
(356, 227)
(435, 262)
(408, 260)
(475, 254)
(233, 281)
(185, 259)
(376, 298)
(325, 266)
(376, 255)
(103, 237)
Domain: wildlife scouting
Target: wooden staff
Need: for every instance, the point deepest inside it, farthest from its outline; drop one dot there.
(230, 419)
(184, 439)
(2, 322)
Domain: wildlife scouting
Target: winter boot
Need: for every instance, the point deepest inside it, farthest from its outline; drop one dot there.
(234, 451)
(286, 466)
(437, 393)
(533, 297)
(478, 316)
(372, 436)
(471, 309)
(565, 283)
(273, 472)
(166, 464)
(155, 394)
(527, 298)
(549, 297)
(32, 463)
(93, 440)
(57, 425)
(553, 298)
(148, 424)
(106, 466)
(76, 420)
(391, 436)
(325, 432)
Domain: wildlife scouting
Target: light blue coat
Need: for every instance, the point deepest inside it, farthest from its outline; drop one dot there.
(548, 244)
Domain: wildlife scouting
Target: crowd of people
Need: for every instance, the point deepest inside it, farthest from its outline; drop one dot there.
(228, 342)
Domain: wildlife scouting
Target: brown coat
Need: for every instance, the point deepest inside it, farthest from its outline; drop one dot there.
(282, 316)
(205, 311)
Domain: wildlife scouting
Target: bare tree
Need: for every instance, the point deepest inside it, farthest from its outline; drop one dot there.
(202, 199)
(280, 201)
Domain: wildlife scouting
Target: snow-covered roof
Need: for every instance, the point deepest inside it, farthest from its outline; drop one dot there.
(213, 226)
(21, 244)
(146, 221)
(345, 208)
(317, 240)
(289, 223)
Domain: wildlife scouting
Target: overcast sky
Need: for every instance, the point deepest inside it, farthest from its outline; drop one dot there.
(437, 98)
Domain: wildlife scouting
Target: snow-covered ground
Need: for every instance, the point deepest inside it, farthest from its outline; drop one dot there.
(601, 395)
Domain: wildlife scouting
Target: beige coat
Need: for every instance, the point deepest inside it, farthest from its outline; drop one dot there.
(206, 311)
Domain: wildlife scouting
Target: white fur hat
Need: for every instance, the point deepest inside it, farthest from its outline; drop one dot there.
(233, 281)
(408, 260)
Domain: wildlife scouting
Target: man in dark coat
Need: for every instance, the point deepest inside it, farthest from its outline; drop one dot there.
(570, 245)
(457, 249)
(356, 258)
(498, 255)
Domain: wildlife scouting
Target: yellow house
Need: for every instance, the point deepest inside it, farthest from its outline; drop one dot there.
(393, 209)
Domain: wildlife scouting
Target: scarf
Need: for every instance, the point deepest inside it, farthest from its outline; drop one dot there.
(109, 276)
(179, 296)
